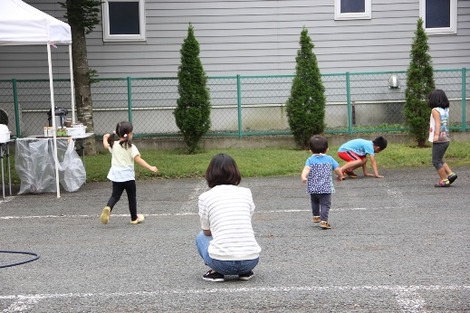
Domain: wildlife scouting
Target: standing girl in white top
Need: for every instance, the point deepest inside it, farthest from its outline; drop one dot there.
(439, 136)
(227, 241)
(122, 173)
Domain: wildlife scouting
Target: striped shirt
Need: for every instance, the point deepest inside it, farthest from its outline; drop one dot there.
(226, 211)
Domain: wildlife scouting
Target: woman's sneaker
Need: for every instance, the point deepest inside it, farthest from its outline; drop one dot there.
(246, 276)
(325, 225)
(451, 178)
(212, 275)
(140, 219)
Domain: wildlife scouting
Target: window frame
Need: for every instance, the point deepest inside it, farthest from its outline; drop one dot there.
(107, 37)
(366, 15)
(452, 29)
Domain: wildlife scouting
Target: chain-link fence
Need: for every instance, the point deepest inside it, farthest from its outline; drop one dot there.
(241, 105)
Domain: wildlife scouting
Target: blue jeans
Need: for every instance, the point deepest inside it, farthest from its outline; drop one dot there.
(222, 267)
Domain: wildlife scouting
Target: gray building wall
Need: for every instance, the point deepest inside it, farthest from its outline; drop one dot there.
(252, 37)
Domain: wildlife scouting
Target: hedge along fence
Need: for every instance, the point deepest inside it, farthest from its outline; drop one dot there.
(241, 105)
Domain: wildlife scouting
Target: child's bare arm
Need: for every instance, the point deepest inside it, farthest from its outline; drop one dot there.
(339, 173)
(373, 163)
(437, 119)
(144, 164)
(304, 174)
(105, 141)
(364, 169)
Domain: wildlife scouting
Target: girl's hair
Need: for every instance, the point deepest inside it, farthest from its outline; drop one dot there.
(123, 129)
(222, 170)
(438, 99)
(318, 144)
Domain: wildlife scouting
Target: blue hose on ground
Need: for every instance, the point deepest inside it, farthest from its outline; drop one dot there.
(19, 263)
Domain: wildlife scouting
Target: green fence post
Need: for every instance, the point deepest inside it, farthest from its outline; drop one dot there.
(348, 100)
(17, 109)
(239, 106)
(129, 99)
(464, 99)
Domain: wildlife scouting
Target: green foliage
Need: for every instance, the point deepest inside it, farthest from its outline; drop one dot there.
(82, 14)
(192, 113)
(420, 82)
(93, 76)
(306, 104)
(253, 162)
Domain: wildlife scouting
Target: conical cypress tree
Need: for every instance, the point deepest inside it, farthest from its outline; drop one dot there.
(192, 113)
(419, 83)
(306, 104)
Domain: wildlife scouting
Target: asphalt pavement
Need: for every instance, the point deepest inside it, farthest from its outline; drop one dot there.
(398, 244)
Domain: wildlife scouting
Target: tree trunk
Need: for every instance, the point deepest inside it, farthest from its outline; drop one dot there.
(83, 100)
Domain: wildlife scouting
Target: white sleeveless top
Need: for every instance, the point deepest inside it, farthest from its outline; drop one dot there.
(444, 131)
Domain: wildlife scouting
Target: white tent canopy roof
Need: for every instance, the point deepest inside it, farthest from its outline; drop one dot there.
(22, 24)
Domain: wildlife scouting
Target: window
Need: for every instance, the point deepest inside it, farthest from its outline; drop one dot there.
(123, 20)
(439, 16)
(353, 10)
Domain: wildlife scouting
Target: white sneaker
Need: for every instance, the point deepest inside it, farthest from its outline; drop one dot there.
(104, 217)
(140, 219)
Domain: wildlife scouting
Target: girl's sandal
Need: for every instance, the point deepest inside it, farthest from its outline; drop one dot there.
(442, 183)
(451, 178)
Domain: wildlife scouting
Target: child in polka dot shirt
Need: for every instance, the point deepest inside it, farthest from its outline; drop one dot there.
(317, 175)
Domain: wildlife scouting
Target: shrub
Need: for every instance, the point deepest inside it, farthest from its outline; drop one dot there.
(192, 113)
(306, 104)
(419, 83)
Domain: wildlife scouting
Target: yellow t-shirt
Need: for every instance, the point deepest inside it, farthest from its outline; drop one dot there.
(122, 162)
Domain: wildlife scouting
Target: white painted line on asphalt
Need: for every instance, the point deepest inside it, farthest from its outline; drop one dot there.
(13, 217)
(240, 290)
(191, 203)
(407, 297)
(401, 200)
(7, 199)
(87, 216)
(23, 303)
(308, 210)
(409, 300)
(20, 217)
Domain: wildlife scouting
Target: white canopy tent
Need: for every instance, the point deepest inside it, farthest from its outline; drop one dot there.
(22, 24)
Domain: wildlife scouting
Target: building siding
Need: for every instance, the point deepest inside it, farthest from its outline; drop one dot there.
(252, 38)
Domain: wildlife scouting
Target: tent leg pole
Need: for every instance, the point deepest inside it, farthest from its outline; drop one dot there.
(54, 126)
(72, 85)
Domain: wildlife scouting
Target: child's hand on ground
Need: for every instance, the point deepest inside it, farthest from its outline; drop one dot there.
(153, 169)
